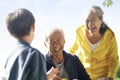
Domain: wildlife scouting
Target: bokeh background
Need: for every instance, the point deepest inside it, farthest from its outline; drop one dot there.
(67, 14)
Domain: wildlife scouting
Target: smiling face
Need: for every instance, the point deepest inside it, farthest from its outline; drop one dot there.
(55, 43)
(93, 22)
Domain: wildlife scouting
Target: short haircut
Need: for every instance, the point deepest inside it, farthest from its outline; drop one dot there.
(19, 22)
(54, 29)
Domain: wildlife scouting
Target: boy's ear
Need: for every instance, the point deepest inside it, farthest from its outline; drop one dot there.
(33, 27)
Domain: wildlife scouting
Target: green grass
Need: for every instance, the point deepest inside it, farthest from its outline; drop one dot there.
(117, 78)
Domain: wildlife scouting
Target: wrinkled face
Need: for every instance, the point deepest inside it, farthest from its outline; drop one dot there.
(93, 23)
(55, 43)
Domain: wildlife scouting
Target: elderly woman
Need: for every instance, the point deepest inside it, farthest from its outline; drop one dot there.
(70, 67)
(96, 46)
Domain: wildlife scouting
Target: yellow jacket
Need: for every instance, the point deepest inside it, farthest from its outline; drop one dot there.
(103, 61)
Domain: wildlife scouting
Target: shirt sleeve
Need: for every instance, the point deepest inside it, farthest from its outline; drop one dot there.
(35, 66)
(73, 49)
(114, 59)
(81, 70)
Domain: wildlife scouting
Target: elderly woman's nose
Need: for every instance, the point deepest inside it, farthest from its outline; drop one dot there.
(90, 24)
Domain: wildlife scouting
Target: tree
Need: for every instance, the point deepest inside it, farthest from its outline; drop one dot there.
(107, 3)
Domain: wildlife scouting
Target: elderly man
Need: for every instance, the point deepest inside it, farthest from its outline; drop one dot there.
(70, 67)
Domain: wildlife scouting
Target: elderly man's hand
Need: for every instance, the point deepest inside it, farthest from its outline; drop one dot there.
(56, 78)
(52, 74)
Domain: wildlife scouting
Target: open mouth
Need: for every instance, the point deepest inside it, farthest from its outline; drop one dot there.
(57, 49)
(92, 28)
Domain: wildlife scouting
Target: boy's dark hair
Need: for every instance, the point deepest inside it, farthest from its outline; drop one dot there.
(19, 22)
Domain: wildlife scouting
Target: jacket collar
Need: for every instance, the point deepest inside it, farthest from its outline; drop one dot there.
(49, 59)
(23, 43)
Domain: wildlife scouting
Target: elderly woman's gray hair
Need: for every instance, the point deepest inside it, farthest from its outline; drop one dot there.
(99, 12)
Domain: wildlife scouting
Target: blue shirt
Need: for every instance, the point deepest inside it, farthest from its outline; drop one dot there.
(25, 63)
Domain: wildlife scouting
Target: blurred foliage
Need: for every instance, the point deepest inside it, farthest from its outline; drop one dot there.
(107, 3)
